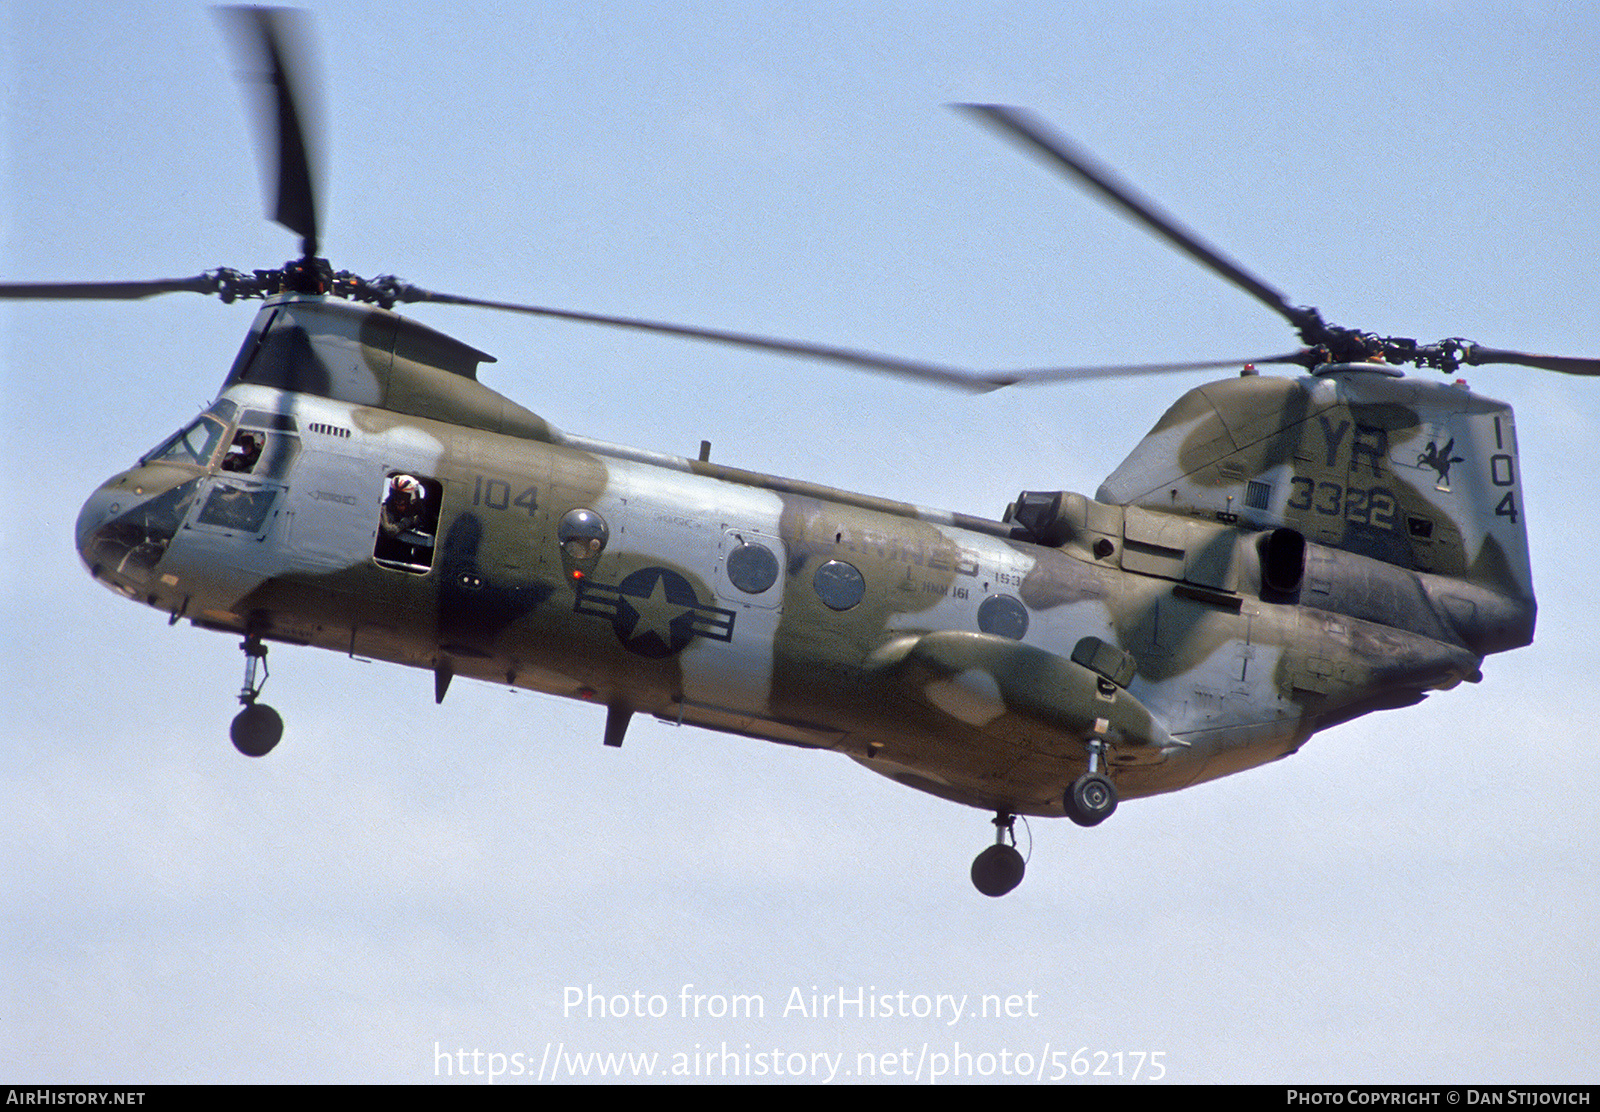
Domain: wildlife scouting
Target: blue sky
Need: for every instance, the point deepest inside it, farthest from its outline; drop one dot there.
(1411, 898)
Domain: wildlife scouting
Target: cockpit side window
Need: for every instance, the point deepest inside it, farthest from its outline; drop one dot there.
(260, 453)
(245, 451)
(193, 445)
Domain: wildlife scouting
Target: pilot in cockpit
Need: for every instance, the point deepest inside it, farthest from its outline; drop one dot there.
(243, 453)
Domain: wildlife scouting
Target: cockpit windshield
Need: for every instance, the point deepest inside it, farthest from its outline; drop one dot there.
(194, 444)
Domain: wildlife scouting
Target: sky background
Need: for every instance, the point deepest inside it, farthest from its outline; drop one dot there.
(1412, 898)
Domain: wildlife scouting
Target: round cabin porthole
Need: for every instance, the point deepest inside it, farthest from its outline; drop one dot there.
(1003, 616)
(839, 585)
(582, 534)
(752, 567)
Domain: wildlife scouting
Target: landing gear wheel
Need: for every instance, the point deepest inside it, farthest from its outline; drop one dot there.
(1091, 799)
(997, 870)
(256, 729)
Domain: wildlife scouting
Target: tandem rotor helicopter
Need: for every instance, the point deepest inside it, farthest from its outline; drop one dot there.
(1278, 554)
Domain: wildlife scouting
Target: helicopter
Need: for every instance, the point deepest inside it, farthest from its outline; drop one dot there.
(1278, 555)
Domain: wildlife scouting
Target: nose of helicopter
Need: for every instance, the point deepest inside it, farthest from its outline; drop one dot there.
(125, 526)
(102, 504)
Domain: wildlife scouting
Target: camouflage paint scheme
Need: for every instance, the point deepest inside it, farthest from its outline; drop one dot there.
(1278, 555)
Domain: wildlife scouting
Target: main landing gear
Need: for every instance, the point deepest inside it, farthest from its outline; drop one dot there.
(998, 869)
(1093, 796)
(1089, 801)
(256, 728)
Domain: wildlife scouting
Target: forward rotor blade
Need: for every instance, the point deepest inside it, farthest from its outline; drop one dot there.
(1034, 133)
(272, 44)
(978, 382)
(905, 368)
(1477, 356)
(106, 291)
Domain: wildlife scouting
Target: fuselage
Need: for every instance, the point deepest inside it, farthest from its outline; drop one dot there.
(961, 655)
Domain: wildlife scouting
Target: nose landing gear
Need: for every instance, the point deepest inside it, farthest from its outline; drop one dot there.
(998, 869)
(256, 728)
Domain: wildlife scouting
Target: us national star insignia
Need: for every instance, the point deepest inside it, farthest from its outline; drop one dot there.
(655, 612)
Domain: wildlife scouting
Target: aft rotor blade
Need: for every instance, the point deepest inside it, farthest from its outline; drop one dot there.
(1477, 356)
(273, 46)
(106, 291)
(1035, 134)
(1134, 370)
(975, 381)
